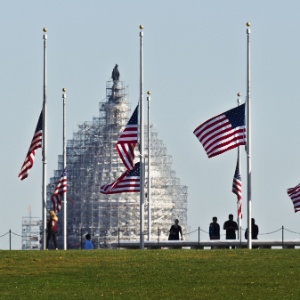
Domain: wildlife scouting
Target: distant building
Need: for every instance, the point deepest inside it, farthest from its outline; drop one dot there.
(92, 160)
(31, 229)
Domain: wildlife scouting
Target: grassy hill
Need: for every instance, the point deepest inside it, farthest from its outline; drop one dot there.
(150, 274)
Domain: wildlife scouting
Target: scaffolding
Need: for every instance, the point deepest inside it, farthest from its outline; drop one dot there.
(31, 228)
(92, 160)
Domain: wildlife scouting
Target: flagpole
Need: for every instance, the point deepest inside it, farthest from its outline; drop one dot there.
(64, 97)
(248, 148)
(149, 170)
(239, 167)
(142, 164)
(44, 196)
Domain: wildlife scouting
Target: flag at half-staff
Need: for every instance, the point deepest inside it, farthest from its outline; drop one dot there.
(237, 188)
(60, 189)
(294, 194)
(128, 182)
(128, 140)
(35, 144)
(223, 132)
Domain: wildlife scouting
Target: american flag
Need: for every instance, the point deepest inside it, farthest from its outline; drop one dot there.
(128, 182)
(237, 188)
(61, 188)
(223, 132)
(35, 144)
(128, 140)
(294, 194)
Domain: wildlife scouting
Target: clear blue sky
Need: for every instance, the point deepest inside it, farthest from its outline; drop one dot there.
(195, 63)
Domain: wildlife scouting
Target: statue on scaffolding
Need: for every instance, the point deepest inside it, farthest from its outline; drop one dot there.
(115, 74)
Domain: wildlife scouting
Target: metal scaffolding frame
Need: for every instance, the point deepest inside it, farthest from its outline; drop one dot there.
(92, 160)
(31, 229)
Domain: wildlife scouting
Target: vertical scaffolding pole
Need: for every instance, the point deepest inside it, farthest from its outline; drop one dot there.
(44, 184)
(149, 170)
(142, 163)
(249, 170)
(64, 96)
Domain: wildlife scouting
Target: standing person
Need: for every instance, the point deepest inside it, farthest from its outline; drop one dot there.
(214, 229)
(231, 227)
(52, 228)
(254, 230)
(88, 244)
(175, 230)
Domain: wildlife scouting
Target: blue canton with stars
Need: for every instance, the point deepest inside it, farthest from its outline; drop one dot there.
(236, 116)
(134, 118)
(135, 171)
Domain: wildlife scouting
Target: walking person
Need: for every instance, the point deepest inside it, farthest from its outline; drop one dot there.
(175, 230)
(52, 228)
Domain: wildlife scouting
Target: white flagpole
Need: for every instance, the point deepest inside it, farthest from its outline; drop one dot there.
(248, 148)
(44, 184)
(64, 96)
(149, 170)
(142, 163)
(239, 166)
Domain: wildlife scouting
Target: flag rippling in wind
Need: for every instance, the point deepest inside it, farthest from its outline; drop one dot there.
(223, 132)
(35, 144)
(128, 140)
(237, 188)
(60, 189)
(294, 194)
(128, 182)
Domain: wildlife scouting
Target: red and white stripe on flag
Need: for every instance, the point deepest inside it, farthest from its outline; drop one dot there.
(223, 132)
(60, 189)
(128, 140)
(35, 144)
(294, 194)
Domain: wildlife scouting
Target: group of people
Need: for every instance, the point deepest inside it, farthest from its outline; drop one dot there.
(231, 227)
(52, 229)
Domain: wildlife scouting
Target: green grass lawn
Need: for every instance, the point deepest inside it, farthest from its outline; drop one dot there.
(150, 274)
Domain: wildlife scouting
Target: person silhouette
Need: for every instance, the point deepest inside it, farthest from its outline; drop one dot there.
(214, 229)
(254, 230)
(175, 230)
(231, 227)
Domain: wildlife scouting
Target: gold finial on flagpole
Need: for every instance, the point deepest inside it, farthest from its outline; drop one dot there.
(141, 27)
(248, 24)
(149, 93)
(45, 29)
(238, 94)
(64, 90)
